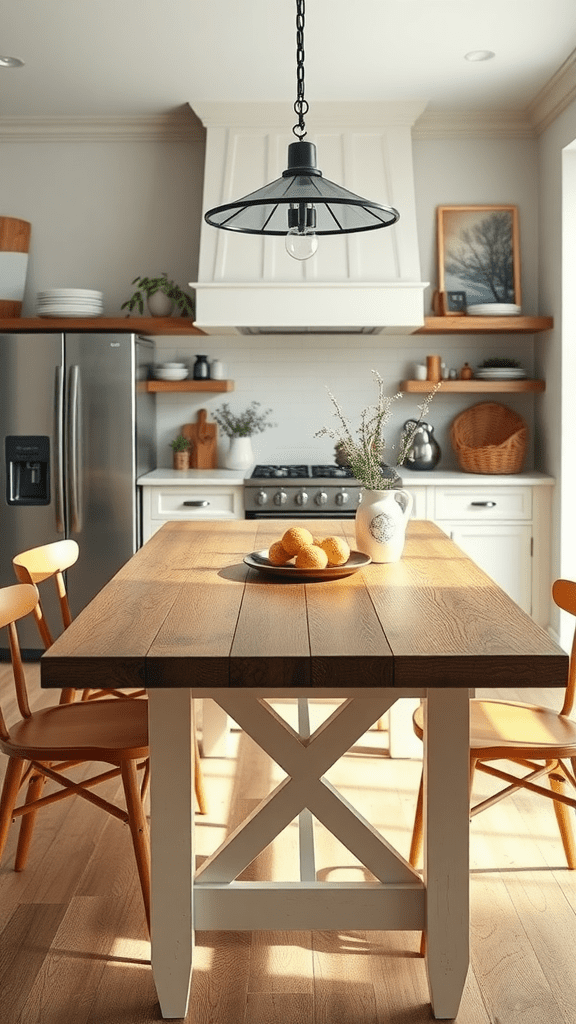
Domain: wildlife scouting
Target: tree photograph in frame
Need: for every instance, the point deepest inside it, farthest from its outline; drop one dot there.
(479, 253)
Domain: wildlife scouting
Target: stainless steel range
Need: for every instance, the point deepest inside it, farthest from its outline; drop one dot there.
(289, 491)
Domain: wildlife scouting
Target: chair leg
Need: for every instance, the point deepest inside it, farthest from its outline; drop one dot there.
(139, 830)
(199, 782)
(9, 797)
(563, 813)
(418, 830)
(35, 787)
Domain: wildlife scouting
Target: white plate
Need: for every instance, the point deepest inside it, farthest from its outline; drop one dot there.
(72, 314)
(59, 293)
(259, 560)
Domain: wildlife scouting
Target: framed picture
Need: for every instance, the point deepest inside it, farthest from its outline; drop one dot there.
(455, 302)
(479, 253)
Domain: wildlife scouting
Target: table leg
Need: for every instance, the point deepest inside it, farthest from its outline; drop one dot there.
(171, 723)
(446, 858)
(215, 730)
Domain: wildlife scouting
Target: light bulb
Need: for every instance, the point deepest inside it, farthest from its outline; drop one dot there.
(301, 244)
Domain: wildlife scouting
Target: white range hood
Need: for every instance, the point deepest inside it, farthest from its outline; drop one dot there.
(368, 282)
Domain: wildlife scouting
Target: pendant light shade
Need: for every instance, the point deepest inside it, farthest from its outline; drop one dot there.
(302, 204)
(301, 192)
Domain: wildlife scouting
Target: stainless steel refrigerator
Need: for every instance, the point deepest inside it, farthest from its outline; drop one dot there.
(77, 429)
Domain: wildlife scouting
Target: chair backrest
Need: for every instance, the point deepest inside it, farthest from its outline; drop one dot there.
(15, 603)
(48, 562)
(564, 594)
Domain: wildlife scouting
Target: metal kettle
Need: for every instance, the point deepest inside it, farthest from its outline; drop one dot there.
(425, 451)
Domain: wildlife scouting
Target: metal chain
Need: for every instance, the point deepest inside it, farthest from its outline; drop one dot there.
(301, 105)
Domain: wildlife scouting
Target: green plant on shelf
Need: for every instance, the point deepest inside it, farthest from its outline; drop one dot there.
(180, 444)
(148, 286)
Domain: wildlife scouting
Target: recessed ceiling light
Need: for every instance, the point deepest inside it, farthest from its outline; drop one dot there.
(475, 55)
(11, 62)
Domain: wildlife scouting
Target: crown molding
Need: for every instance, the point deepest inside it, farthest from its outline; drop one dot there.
(179, 127)
(555, 96)
(473, 124)
(325, 115)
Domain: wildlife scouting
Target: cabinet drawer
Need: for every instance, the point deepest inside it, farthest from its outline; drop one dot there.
(482, 503)
(180, 503)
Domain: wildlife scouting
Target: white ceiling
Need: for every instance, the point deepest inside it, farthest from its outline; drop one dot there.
(126, 58)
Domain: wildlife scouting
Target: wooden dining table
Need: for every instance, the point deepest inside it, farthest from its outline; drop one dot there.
(186, 617)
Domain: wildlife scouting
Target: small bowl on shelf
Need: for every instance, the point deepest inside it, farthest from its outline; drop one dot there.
(170, 373)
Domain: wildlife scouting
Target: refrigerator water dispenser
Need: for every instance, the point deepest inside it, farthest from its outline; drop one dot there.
(27, 470)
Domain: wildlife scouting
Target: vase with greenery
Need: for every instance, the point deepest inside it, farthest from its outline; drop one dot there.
(161, 288)
(239, 428)
(384, 509)
(180, 452)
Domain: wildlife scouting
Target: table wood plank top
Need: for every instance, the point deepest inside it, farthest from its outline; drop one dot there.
(186, 611)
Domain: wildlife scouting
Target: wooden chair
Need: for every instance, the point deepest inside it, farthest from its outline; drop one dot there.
(46, 744)
(49, 561)
(527, 735)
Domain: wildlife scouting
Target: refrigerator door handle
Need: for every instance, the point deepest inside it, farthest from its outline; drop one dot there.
(59, 448)
(74, 449)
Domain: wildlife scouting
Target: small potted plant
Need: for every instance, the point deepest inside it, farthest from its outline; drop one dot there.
(161, 294)
(181, 452)
(239, 428)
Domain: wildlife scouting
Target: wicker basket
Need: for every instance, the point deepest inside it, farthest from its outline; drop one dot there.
(489, 438)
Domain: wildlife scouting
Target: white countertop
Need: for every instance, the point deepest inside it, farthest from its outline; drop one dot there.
(410, 478)
(203, 477)
(413, 477)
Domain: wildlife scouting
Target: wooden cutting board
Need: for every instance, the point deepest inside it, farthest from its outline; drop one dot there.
(202, 436)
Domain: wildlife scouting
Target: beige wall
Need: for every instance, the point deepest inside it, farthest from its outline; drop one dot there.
(103, 212)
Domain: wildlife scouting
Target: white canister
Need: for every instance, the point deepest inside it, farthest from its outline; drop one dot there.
(420, 371)
(216, 370)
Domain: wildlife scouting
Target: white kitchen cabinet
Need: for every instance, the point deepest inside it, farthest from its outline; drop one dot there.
(196, 494)
(503, 550)
(501, 522)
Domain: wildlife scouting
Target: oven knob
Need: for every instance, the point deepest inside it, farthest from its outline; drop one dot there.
(261, 498)
(342, 497)
(301, 498)
(280, 498)
(321, 498)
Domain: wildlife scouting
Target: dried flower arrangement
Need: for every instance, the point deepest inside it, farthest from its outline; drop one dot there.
(365, 449)
(243, 424)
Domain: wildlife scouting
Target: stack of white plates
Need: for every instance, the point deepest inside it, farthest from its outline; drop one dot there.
(80, 302)
(500, 373)
(171, 371)
(494, 309)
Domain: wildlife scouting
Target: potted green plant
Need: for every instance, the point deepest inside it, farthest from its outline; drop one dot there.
(161, 294)
(240, 427)
(181, 452)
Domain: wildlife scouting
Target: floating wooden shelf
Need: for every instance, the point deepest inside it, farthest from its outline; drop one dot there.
(189, 385)
(159, 325)
(485, 324)
(474, 386)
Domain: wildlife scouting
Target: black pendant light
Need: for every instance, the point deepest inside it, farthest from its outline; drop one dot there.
(302, 204)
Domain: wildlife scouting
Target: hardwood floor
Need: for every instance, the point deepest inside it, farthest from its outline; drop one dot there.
(73, 947)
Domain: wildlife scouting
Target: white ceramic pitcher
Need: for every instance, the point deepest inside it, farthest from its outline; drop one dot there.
(381, 521)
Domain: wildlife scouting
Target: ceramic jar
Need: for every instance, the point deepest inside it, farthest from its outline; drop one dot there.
(381, 521)
(239, 454)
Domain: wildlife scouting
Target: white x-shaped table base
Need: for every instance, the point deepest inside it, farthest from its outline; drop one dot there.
(399, 899)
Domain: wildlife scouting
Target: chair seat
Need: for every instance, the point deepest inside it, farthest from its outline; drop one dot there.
(505, 727)
(103, 730)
